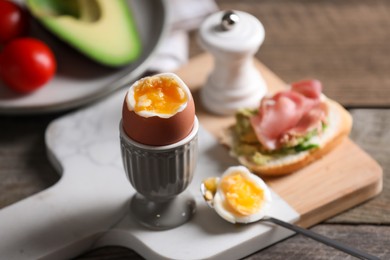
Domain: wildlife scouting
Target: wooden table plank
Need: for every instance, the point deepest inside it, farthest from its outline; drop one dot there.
(371, 132)
(24, 167)
(372, 239)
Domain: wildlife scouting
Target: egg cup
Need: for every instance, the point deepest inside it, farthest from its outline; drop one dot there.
(160, 174)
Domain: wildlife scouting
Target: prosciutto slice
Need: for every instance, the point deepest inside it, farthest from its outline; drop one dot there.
(289, 114)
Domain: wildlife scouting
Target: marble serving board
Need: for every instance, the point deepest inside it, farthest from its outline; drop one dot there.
(89, 206)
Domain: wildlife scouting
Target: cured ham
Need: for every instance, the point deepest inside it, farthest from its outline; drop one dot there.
(289, 114)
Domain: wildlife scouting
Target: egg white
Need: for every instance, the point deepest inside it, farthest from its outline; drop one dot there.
(130, 100)
(220, 204)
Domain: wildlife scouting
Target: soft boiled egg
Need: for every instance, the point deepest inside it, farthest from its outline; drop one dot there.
(241, 196)
(158, 110)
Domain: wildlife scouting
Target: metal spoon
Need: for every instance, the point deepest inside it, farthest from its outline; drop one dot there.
(208, 196)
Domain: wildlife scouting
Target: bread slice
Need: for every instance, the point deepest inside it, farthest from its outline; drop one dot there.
(339, 127)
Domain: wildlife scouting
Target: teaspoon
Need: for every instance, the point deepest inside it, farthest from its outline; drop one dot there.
(208, 196)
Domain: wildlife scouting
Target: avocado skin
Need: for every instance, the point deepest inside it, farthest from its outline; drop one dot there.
(109, 37)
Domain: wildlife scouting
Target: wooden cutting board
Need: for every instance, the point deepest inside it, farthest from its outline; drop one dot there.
(340, 180)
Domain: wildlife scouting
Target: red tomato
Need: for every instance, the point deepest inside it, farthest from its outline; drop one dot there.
(26, 64)
(13, 21)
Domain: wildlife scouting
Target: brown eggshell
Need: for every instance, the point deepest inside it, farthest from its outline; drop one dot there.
(157, 131)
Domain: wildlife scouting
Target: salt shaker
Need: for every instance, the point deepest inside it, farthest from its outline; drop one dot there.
(232, 37)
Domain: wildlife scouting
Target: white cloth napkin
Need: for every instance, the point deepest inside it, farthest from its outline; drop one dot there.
(186, 15)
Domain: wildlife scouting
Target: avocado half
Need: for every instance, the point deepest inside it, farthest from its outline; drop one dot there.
(102, 30)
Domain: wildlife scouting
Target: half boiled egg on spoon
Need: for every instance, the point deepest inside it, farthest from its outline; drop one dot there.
(240, 196)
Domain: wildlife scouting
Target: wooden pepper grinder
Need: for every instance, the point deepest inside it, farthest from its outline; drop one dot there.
(232, 37)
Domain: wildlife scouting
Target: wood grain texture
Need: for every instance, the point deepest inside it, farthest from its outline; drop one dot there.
(372, 239)
(371, 132)
(24, 167)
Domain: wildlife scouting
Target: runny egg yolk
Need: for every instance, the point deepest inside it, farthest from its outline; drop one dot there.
(160, 95)
(241, 194)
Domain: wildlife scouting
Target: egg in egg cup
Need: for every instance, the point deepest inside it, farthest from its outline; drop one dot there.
(159, 146)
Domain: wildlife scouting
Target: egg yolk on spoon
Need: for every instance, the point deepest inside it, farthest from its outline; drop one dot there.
(238, 196)
(243, 196)
(160, 95)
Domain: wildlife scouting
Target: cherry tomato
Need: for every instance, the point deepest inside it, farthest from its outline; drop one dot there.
(26, 64)
(13, 21)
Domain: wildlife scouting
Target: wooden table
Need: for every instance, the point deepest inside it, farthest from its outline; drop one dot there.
(345, 44)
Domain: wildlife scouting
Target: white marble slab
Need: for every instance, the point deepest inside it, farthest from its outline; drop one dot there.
(89, 206)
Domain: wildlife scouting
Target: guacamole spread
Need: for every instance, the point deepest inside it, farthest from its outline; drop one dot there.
(246, 143)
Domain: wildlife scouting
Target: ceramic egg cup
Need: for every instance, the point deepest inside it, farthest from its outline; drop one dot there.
(160, 174)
